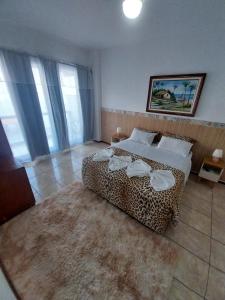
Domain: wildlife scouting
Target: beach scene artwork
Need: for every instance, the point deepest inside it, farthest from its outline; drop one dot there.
(177, 94)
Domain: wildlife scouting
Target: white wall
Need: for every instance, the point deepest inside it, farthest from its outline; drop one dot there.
(126, 70)
(34, 42)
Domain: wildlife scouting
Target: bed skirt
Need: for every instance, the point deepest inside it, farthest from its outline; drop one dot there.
(134, 195)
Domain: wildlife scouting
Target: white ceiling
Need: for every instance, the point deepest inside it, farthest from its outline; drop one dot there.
(101, 24)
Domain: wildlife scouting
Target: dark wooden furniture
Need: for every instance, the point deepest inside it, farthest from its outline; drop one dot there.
(15, 191)
(118, 137)
(5, 149)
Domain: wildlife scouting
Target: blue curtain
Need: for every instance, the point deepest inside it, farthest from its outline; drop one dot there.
(58, 110)
(85, 79)
(26, 101)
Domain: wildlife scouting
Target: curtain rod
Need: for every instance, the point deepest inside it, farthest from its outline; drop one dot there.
(46, 57)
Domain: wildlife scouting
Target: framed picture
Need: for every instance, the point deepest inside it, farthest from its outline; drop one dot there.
(175, 94)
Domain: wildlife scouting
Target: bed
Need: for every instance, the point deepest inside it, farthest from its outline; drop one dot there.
(134, 195)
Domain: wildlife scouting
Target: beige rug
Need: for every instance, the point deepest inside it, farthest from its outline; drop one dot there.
(76, 245)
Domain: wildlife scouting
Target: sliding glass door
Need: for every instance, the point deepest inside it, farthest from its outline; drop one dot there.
(54, 98)
(10, 122)
(42, 90)
(71, 98)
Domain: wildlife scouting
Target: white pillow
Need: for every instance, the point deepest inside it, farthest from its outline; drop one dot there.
(178, 146)
(143, 137)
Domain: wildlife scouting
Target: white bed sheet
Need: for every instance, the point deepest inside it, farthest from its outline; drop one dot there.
(160, 155)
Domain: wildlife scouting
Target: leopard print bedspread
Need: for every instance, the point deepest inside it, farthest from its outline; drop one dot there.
(134, 195)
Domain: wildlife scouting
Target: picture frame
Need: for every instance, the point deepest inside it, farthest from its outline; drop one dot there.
(175, 94)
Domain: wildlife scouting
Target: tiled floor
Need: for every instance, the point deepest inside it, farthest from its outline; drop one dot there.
(50, 175)
(200, 236)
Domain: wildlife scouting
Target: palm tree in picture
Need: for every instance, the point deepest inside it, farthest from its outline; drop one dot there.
(174, 88)
(174, 96)
(191, 88)
(157, 83)
(185, 84)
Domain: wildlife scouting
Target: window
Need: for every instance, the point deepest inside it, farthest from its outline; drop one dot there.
(15, 126)
(42, 90)
(71, 97)
(9, 120)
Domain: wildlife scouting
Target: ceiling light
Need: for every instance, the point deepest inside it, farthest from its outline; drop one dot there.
(132, 8)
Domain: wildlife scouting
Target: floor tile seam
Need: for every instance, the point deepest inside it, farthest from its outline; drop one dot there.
(210, 251)
(203, 260)
(190, 289)
(209, 236)
(195, 209)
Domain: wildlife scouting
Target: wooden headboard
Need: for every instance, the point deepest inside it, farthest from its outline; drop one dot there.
(208, 135)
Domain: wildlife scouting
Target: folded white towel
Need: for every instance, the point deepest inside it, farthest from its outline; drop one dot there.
(119, 162)
(103, 155)
(138, 168)
(162, 180)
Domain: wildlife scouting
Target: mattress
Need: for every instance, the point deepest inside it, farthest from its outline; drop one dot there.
(135, 195)
(157, 154)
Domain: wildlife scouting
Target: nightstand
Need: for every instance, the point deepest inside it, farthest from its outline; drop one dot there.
(211, 170)
(116, 138)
